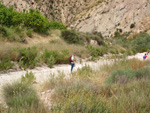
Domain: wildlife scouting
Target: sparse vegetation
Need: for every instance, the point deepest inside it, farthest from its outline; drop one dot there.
(95, 52)
(141, 42)
(12, 33)
(78, 92)
(70, 36)
(57, 51)
(56, 25)
(88, 90)
(55, 57)
(29, 57)
(81, 101)
(136, 43)
(21, 97)
(28, 78)
(132, 25)
(29, 33)
(5, 63)
(74, 37)
(123, 76)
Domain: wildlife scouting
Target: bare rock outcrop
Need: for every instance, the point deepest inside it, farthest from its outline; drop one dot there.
(107, 17)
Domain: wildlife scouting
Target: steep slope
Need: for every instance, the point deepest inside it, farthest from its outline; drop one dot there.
(124, 15)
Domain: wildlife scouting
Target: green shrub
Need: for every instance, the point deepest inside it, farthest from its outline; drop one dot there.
(64, 56)
(18, 95)
(84, 102)
(56, 25)
(122, 51)
(12, 33)
(127, 98)
(28, 78)
(31, 19)
(132, 25)
(21, 97)
(85, 72)
(130, 52)
(93, 36)
(3, 31)
(50, 57)
(76, 94)
(55, 57)
(141, 43)
(6, 15)
(6, 63)
(7, 33)
(71, 36)
(117, 35)
(113, 51)
(95, 51)
(35, 20)
(143, 73)
(122, 76)
(63, 87)
(74, 37)
(29, 57)
(29, 32)
(138, 43)
(55, 81)
(50, 61)
(18, 18)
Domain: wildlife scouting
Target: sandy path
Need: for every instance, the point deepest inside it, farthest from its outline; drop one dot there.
(43, 73)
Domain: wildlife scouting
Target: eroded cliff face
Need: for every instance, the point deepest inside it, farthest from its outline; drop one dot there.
(105, 16)
(124, 15)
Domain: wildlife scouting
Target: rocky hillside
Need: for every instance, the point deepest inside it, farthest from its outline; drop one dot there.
(121, 15)
(105, 16)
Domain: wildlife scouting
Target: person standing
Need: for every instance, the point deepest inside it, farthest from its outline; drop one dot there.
(72, 61)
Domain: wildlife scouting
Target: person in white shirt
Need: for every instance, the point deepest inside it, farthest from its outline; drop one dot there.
(72, 61)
